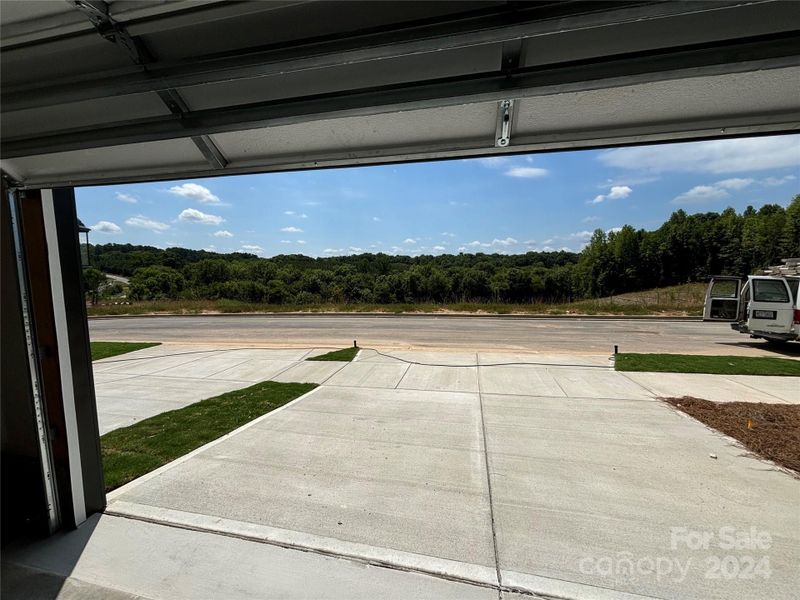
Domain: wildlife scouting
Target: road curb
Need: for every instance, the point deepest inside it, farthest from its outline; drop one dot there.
(417, 315)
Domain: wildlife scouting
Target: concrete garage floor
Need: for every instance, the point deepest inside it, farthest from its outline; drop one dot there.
(402, 480)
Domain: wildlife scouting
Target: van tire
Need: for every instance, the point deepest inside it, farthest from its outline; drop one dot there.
(777, 343)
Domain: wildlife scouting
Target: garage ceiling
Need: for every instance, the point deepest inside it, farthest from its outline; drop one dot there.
(105, 92)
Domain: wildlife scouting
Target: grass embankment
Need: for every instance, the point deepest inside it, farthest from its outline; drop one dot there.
(348, 354)
(132, 451)
(718, 365)
(109, 349)
(771, 431)
(684, 300)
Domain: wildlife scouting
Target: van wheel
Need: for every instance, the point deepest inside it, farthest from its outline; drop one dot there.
(777, 343)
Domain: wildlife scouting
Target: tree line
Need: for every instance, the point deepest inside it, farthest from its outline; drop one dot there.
(685, 248)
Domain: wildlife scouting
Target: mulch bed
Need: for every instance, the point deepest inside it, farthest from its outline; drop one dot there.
(771, 431)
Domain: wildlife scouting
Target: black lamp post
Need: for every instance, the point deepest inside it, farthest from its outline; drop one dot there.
(83, 229)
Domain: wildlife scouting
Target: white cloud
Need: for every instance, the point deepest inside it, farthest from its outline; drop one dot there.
(614, 230)
(292, 213)
(223, 233)
(477, 244)
(301, 242)
(578, 235)
(448, 234)
(715, 191)
(775, 181)
(106, 227)
(376, 219)
(195, 192)
(192, 215)
(286, 241)
(494, 162)
(291, 230)
(617, 192)
(439, 248)
(734, 184)
(333, 250)
(289, 212)
(701, 193)
(126, 198)
(252, 248)
(629, 180)
(356, 249)
(510, 168)
(409, 241)
(146, 223)
(590, 219)
(527, 172)
(715, 156)
(509, 241)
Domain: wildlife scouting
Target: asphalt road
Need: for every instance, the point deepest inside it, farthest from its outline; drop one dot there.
(557, 335)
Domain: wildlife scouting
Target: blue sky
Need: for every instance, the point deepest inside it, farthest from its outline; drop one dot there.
(504, 204)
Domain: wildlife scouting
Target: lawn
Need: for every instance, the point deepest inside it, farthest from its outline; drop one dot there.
(718, 365)
(771, 431)
(132, 451)
(345, 355)
(109, 349)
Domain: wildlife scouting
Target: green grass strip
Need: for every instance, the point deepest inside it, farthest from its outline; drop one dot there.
(109, 349)
(132, 451)
(345, 355)
(718, 365)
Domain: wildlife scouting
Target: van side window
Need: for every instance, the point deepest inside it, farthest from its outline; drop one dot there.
(770, 290)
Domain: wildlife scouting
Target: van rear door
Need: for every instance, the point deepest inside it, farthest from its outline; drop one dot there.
(771, 308)
(722, 299)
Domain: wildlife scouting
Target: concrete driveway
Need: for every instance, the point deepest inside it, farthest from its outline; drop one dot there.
(131, 387)
(562, 479)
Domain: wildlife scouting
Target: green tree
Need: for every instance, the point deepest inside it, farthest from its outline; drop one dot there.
(790, 236)
(93, 280)
(156, 283)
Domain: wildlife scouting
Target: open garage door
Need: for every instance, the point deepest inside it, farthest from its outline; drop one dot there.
(98, 92)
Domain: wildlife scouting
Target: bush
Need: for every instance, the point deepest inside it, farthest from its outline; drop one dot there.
(244, 290)
(156, 283)
(307, 298)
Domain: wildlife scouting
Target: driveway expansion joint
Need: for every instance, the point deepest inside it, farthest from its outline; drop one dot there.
(388, 558)
(488, 475)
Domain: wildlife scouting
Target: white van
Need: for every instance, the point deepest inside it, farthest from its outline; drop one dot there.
(763, 306)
